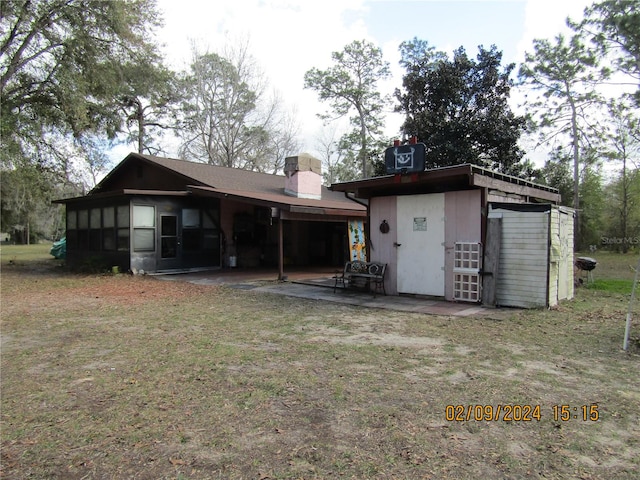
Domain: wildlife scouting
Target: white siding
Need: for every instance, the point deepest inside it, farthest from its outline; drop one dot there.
(565, 278)
(555, 256)
(522, 276)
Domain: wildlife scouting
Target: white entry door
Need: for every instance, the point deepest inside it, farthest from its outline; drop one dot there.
(421, 244)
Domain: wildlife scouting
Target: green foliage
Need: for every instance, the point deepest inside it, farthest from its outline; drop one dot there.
(614, 28)
(147, 100)
(61, 67)
(459, 107)
(565, 75)
(592, 201)
(622, 211)
(556, 173)
(351, 85)
(68, 68)
(25, 204)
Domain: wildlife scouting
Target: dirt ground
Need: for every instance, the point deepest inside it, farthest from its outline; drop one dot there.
(109, 376)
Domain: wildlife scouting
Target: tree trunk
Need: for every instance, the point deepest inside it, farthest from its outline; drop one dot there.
(363, 144)
(625, 204)
(576, 173)
(140, 116)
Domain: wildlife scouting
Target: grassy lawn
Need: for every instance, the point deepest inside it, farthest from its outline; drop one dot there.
(114, 376)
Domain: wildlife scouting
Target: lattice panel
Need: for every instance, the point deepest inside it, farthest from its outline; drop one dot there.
(467, 262)
(466, 287)
(467, 256)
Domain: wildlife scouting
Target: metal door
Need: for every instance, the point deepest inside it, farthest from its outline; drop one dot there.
(421, 244)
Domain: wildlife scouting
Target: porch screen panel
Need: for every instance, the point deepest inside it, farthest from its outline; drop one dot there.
(211, 235)
(72, 229)
(122, 222)
(191, 232)
(108, 229)
(83, 229)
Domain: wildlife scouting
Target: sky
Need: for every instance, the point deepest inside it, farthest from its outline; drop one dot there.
(289, 37)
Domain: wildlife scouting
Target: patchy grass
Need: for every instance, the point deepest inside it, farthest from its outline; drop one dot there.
(26, 254)
(130, 377)
(612, 285)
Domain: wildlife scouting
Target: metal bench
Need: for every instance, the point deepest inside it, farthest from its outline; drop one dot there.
(368, 275)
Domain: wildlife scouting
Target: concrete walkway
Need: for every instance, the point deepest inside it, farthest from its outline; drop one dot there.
(319, 286)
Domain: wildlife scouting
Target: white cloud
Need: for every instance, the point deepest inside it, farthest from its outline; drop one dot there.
(286, 37)
(545, 19)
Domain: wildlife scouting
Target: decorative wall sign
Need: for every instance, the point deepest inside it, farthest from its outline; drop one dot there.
(357, 245)
(384, 227)
(419, 224)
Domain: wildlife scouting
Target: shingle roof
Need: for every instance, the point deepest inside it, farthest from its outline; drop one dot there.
(244, 183)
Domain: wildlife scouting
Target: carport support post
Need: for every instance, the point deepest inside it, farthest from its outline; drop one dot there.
(280, 250)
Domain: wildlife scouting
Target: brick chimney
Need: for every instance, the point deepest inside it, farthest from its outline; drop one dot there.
(303, 176)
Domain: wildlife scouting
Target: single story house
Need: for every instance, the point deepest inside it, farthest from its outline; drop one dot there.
(465, 233)
(155, 214)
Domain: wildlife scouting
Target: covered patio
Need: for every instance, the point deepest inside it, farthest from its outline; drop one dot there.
(317, 284)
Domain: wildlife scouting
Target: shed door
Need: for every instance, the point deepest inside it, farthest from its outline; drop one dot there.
(421, 244)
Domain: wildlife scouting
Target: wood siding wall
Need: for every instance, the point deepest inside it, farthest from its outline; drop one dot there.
(523, 271)
(560, 256)
(463, 223)
(382, 247)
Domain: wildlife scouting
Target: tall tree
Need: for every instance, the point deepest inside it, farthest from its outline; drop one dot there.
(148, 101)
(614, 27)
(62, 78)
(565, 73)
(623, 147)
(60, 68)
(556, 173)
(227, 117)
(459, 108)
(351, 84)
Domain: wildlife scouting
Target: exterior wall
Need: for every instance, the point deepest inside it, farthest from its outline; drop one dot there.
(102, 234)
(382, 245)
(463, 223)
(203, 256)
(566, 280)
(560, 256)
(524, 260)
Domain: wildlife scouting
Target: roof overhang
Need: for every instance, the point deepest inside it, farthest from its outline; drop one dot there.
(122, 193)
(284, 202)
(459, 177)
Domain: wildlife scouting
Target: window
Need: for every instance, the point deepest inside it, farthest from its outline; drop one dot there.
(190, 218)
(83, 229)
(144, 231)
(72, 232)
(95, 217)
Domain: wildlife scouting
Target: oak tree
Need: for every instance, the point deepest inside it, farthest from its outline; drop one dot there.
(459, 107)
(350, 85)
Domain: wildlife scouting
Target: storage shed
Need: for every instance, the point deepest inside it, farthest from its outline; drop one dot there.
(535, 255)
(468, 234)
